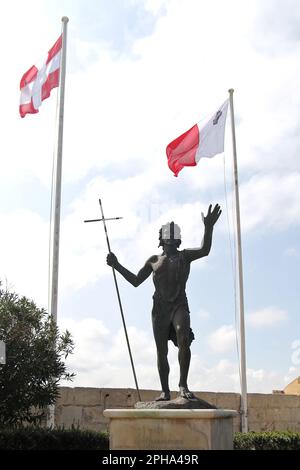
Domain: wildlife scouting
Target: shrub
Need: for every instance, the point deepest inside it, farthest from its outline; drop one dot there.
(35, 353)
(34, 438)
(269, 440)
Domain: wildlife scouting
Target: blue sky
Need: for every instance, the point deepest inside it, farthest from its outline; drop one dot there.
(139, 73)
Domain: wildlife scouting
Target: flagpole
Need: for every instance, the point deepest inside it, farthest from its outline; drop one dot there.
(55, 223)
(56, 192)
(244, 407)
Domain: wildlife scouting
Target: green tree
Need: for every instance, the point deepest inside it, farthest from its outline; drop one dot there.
(35, 353)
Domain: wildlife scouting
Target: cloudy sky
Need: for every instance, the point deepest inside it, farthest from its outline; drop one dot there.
(139, 73)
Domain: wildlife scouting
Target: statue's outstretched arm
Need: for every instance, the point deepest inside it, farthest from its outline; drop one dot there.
(133, 279)
(209, 222)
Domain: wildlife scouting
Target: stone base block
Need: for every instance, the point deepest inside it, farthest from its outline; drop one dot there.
(144, 429)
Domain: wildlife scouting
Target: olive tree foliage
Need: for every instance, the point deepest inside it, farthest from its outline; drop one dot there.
(35, 354)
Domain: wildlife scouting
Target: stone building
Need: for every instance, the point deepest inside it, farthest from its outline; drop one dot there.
(293, 388)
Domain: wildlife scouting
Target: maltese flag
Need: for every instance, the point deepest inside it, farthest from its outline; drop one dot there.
(37, 83)
(204, 139)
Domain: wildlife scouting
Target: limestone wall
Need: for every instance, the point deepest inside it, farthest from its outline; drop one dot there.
(83, 407)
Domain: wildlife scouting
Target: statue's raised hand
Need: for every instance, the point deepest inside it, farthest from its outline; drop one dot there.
(212, 216)
(112, 260)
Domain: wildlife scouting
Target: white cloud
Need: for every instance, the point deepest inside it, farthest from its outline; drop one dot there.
(101, 360)
(121, 111)
(292, 374)
(291, 252)
(264, 381)
(24, 247)
(134, 238)
(221, 376)
(101, 356)
(223, 339)
(224, 377)
(262, 193)
(155, 5)
(128, 122)
(296, 352)
(267, 317)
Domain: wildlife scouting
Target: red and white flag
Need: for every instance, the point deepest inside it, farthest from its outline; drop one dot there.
(37, 83)
(204, 139)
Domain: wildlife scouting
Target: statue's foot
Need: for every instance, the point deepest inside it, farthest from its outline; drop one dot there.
(185, 393)
(164, 396)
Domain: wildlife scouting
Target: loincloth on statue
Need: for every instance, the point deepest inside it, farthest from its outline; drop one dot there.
(163, 312)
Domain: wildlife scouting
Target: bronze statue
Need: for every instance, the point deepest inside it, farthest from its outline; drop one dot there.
(170, 313)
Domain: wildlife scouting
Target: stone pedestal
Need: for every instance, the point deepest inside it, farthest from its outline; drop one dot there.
(146, 429)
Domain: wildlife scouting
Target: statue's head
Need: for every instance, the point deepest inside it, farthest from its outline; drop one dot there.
(170, 234)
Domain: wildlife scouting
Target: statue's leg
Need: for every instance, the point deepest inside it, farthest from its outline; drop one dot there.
(181, 322)
(161, 330)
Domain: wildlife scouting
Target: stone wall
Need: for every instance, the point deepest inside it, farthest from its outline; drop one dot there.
(83, 407)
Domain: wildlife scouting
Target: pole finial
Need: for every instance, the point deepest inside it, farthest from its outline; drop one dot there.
(231, 90)
(65, 19)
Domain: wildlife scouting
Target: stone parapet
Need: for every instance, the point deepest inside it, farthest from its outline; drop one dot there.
(84, 407)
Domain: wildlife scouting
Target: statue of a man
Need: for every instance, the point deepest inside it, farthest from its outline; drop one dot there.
(170, 313)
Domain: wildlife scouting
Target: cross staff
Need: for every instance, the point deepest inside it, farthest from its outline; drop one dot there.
(103, 219)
